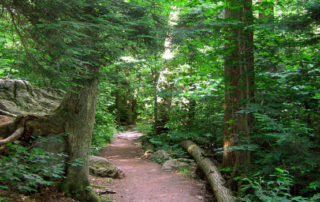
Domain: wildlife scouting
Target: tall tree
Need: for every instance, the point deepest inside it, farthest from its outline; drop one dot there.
(67, 42)
(66, 37)
(239, 80)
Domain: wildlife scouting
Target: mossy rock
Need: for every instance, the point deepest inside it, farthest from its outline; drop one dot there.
(101, 167)
(160, 156)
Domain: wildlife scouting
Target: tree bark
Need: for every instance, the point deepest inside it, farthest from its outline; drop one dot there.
(117, 103)
(155, 80)
(134, 110)
(211, 171)
(239, 81)
(131, 105)
(79, 109)
(155, 110)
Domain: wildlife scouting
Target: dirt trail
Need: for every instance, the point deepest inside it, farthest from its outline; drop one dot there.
(145, 181)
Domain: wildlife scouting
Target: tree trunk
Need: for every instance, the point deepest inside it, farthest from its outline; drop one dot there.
(117, 103)
(211, 171)
(239, 82)
(155, 80)
(79, 109)
(74, 116)
(155, 110)
(133, 109)
(129, 109)
(192, 102)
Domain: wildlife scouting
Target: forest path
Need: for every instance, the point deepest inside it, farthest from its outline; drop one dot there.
(145, 181)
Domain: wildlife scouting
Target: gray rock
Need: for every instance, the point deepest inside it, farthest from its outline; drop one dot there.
(181, 163)
(20, 97)
(148, 146)
(160, 156)
(189, 161)
(101, 167)
(174, 164)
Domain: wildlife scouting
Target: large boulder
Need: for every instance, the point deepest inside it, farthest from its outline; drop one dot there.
(101, 167)
(20, 97)
(160, 156)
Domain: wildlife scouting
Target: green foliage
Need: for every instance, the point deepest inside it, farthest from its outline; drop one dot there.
(145, 127)
(58, 43)
(280, 137)
(24, 169)
(183, 98)
(275, 188)
(77, 162)
(164, 142)
(285, 110)
(4, 199)
(105, 123)
(184, 171)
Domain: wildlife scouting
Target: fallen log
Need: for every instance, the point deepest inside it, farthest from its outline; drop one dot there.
(222, 193)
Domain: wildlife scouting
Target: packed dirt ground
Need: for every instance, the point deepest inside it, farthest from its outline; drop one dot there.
(145, 181)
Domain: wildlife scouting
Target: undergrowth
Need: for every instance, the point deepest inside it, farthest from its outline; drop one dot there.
(105, 125)
(164, 142)
(145, 127)
(24, 169)
(275, 187)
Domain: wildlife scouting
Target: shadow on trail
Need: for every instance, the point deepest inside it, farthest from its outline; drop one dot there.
(145, 181)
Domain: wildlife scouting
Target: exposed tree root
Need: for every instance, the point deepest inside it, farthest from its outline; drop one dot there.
(8, 126)
(17, 133)
(2, 112)
(4, 126)
(45, 112)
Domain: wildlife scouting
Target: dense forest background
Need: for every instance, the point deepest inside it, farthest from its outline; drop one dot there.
(239, 78)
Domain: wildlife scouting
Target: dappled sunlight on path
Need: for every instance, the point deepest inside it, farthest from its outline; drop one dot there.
(145, 180)
(129, 135)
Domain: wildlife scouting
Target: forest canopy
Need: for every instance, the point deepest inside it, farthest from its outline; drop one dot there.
(240, 78)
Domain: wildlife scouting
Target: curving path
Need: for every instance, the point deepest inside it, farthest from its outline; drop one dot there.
(145, 181)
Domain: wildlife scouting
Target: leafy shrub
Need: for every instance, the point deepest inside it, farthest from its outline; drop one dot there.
(24, 169)
(279, 143)
(4, 199)
(101, 136)
(276, 188)
(145, 127)
(105, 124)
(164, 142)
